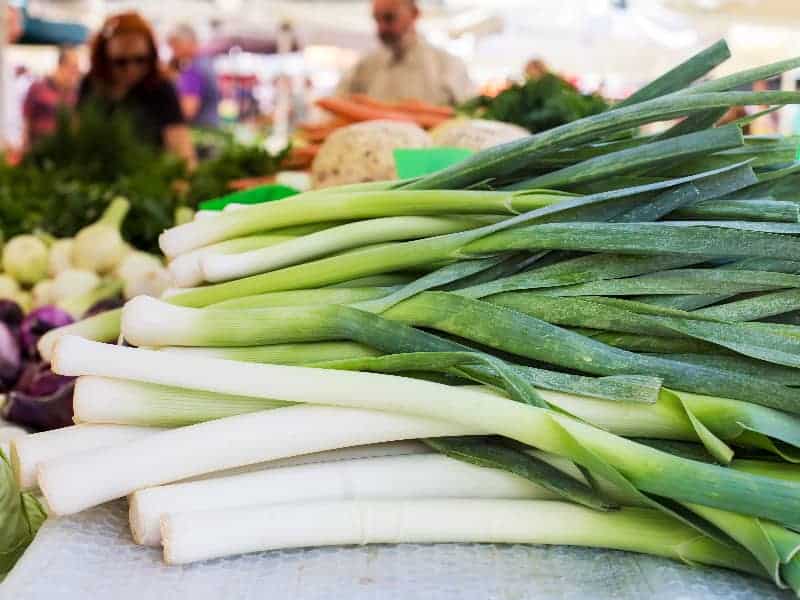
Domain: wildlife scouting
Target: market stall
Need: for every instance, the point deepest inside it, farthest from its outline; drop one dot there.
(539, 341)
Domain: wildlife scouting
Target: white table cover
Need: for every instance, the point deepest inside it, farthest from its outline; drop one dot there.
(91, 556)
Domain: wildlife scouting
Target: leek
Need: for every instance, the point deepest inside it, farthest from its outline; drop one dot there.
(329, 241)
(28, 452)
(97, 400)
(418, 476)
(318, 207)
(202, 535)
(148, 322)
(187, 269)
(647, 469)
(74, 483)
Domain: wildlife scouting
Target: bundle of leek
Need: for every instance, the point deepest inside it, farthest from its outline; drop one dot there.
(595, 334)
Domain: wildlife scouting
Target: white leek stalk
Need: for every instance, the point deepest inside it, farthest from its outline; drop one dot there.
(202, 535)
(75, 483)
(329, 241)
(343, 205)
(412, 476)
(101, 400)
(187, 269)
(403, 448)
(646, 468)
(28, 452)
(202, 215)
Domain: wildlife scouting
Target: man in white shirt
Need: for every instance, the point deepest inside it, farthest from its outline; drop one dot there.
(406, 66)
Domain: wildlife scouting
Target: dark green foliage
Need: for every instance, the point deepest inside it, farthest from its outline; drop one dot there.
(67, 180)
(537, 104)
(211, 178)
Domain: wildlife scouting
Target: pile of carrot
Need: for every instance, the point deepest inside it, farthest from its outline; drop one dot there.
(360, 107)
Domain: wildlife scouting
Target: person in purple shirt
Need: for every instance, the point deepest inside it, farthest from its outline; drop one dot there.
(196, 82)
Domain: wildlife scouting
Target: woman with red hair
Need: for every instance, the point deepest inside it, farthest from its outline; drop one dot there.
(125, 75)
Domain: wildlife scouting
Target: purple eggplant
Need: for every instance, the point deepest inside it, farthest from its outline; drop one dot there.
(37, 323)
(38, 379)
(10, 358)
(40, 412)
(11, 313)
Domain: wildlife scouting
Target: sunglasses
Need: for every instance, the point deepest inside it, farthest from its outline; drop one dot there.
(387, 18)
(121, 62)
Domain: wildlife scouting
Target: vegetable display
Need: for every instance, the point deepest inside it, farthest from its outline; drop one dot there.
(68, 179)
(592, 335)
(88, 275)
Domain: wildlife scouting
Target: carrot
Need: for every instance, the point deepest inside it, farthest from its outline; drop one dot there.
(410, 106)
(373, 102)
(355, 111)
(420, 106)
(427, 115)
(319, 132)
(324, 125)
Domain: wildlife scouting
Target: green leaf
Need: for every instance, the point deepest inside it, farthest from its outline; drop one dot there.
(716, 183)
(21, 515)
(516, 385)
(514, 332)
(684, 74)
(679, 281)
(511, 157)
(723, 239)
(696, 122)
(742, 78)
(744, 210)
(631, 159)
(743, 364)
(755, 308)
(594, 267)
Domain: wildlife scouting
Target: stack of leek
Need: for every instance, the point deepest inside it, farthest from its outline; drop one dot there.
(601, 325)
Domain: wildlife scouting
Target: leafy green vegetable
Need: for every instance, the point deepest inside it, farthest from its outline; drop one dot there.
(537, 104)
(21, 515)
(68, 179)
(211, 178)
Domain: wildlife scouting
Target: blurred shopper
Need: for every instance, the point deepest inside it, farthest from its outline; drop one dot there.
(50, 95)
(536, 68)
(196, 82)
(406, 66)
(11, 140)
(767, 124)
(125, 75)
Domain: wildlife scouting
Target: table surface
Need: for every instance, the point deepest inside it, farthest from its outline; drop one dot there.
(91, 555)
